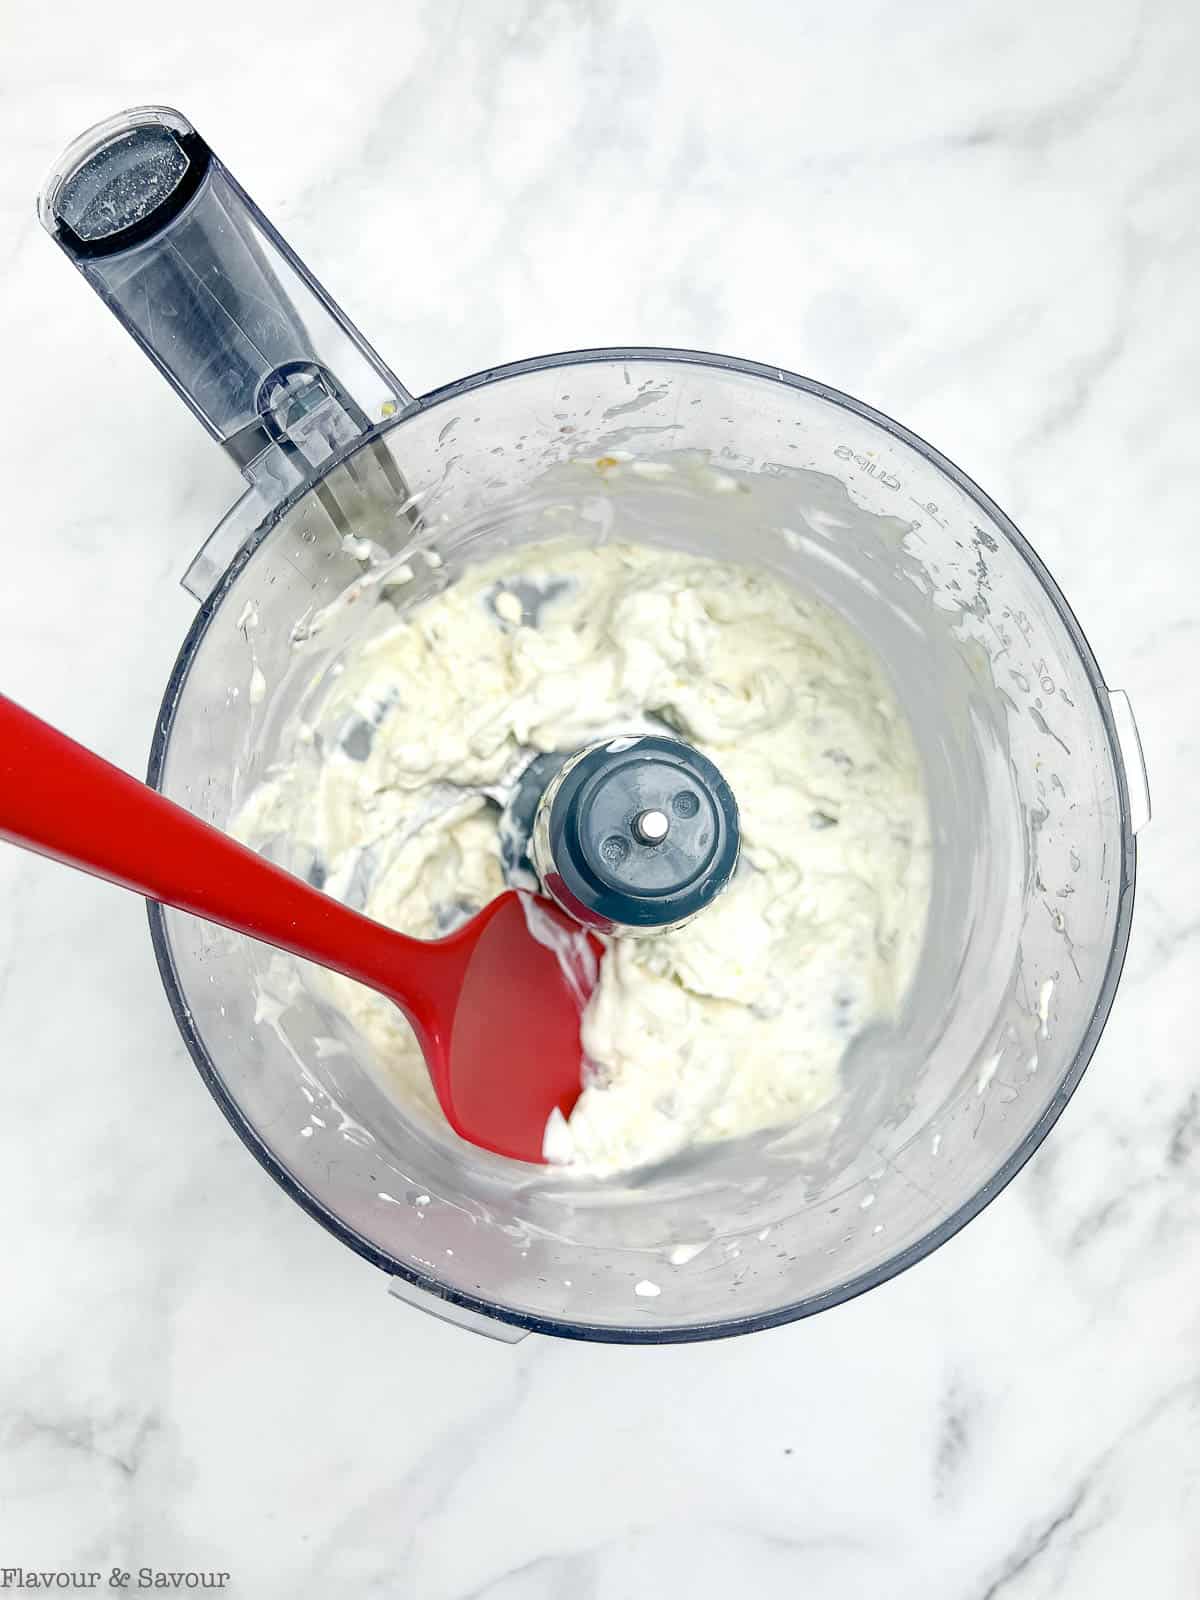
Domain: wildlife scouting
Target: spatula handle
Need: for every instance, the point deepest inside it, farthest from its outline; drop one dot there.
(61, 800)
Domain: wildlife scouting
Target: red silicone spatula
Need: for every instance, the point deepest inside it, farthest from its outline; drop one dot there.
(496, 1013)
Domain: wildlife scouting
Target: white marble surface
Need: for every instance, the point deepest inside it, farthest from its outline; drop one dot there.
(983, 218)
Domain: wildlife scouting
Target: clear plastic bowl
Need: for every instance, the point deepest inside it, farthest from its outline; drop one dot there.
(1033, 829)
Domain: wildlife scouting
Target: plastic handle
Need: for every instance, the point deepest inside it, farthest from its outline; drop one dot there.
(212, 293)
(1136, 781)
(62, 801)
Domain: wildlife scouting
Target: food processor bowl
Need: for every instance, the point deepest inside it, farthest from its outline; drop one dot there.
(1035, 784)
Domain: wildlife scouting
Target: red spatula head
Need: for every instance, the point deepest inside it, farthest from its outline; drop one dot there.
(504, 1051)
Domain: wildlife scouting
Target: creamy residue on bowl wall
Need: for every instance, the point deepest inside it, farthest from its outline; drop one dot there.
(737, 1021)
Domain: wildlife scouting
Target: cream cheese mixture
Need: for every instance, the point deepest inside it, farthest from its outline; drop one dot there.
(737, 1021)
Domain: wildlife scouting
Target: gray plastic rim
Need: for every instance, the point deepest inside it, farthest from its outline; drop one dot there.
(944, 1230)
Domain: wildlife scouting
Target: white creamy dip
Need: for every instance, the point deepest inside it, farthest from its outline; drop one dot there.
(737, 1021)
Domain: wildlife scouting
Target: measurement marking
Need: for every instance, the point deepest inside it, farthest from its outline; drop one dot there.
(929, 509)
